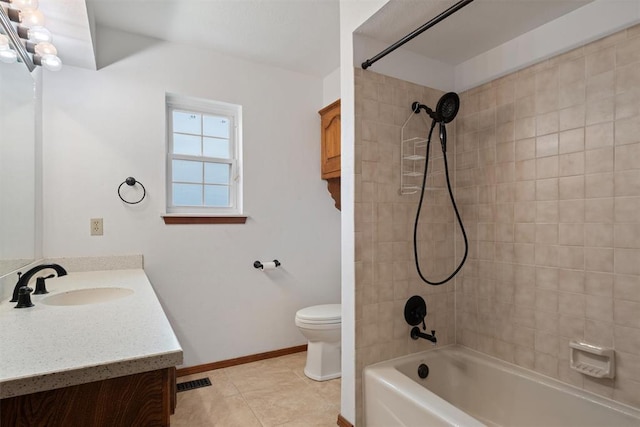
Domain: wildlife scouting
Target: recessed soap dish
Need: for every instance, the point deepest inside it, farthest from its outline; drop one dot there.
(595, 361)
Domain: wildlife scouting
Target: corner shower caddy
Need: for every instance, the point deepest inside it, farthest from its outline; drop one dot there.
(413, 151)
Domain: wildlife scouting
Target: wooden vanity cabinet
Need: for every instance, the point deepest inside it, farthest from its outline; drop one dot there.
(330, 148)
(141, 400)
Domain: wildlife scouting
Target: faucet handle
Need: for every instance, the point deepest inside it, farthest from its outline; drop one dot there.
(40, 285)
(24, 299)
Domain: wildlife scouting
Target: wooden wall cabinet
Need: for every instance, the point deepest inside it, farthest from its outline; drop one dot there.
(330, 148)
(146, 399)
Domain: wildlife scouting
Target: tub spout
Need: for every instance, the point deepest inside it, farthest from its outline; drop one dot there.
(415, 334)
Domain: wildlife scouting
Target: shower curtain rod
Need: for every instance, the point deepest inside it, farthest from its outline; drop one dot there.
(453, 9)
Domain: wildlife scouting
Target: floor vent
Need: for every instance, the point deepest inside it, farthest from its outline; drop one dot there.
(190, 385)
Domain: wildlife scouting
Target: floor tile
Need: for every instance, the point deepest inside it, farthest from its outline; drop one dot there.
(267, 393)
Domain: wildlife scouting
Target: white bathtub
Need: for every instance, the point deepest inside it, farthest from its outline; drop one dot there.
(469, 389)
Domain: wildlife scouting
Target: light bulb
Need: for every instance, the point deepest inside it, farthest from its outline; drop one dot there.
(45, 48)
(8, 56)
(31, 18)
(39, 35)
(24, 4)
(51, 62)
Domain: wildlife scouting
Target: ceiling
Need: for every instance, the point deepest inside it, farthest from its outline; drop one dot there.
(298, 35)
(472, 30)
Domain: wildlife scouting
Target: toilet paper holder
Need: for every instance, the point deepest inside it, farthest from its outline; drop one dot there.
(267, 265)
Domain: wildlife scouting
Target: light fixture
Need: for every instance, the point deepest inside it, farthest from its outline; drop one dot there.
(23, 36)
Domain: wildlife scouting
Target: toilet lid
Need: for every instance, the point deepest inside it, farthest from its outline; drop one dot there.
(321, 313)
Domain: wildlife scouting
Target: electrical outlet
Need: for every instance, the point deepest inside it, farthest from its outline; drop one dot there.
(96, 227)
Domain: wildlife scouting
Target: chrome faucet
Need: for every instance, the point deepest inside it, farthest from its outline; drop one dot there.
(23, 280)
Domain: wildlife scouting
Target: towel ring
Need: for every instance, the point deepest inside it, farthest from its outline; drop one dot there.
(131, 181)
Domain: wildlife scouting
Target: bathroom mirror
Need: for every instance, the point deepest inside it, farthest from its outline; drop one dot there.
(18, 124)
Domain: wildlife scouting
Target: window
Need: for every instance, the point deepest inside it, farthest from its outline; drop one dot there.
(204, 174)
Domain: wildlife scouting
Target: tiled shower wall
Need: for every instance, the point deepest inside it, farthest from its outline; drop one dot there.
(548, 179)
(385, 272)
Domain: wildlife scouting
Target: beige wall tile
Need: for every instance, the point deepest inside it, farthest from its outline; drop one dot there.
(549, 207)
(598, 259)
(627, 77)
(598, 210)
(572, 117)
(600, 135)
(571, 70)
(627, 131)
(571, 281)
(601, 86)
(571, 164)
(600, 160)
(547, 212)
(601, 61)
(547, 189)
(571, 141)
(546, 167)
(571, 210)
(599, 284)
(627, 339)
(599, 308)
(598, 235)
(625, 313)
(627, 51)
(571, 187)
(525, 149)
(627, 236)
(627, 287)
(626, 261)
(627, 104)
(569, 94)
(571, 234)
(627, 183)
(547, 145)
(601, 111)
(571, 304)
(599, 185)
(627, 157)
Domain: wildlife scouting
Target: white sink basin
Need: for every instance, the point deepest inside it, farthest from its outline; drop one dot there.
(87, 296)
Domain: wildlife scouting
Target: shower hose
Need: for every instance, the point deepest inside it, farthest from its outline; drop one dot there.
(443, 142)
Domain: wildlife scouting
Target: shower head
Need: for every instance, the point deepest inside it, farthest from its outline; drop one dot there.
(446, 109)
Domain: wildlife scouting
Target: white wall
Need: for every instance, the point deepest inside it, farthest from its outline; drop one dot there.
(102, 126)
(586, 24)
(352, 15)
(403, 64)
(331, 87)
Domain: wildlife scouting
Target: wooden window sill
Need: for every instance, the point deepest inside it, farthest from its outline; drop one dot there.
(194, 219)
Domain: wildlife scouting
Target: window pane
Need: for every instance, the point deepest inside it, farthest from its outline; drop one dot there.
(217, 173)
(216, 148)
(187, 171)
(187, 122)
(216, 126)
(216, 195)
(187, 195)
(186, 144)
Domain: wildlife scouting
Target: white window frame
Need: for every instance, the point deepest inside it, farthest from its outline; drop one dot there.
(202, 106)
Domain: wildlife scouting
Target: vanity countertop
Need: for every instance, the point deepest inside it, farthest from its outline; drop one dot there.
(46, 347)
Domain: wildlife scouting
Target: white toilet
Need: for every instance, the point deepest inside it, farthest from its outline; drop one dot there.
(321, 324)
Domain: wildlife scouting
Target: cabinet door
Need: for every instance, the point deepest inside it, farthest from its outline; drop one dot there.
(330, 134)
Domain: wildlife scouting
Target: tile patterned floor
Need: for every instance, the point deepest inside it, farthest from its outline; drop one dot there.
(267, 393)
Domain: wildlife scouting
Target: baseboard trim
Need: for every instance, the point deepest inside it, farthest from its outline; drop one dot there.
(342, 421)
(239, 360)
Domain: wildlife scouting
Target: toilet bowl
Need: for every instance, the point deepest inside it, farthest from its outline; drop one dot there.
(321, 325)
